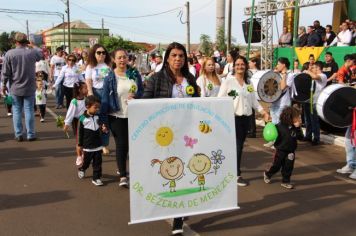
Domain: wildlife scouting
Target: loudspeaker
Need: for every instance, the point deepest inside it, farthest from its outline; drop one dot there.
(256, 30)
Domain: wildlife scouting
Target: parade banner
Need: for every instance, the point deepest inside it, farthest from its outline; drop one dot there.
(182, 157)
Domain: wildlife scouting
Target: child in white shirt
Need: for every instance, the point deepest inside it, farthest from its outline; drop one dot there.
(41, 99)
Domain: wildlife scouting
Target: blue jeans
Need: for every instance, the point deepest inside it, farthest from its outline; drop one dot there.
(59, 93)
(311, 122)
(350, 150)
(105, 136)
(275, 111)
(26, 104)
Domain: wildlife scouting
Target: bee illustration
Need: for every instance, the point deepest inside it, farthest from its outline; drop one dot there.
(204, 126)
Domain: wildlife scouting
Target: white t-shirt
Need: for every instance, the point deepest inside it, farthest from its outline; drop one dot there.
(228, 68)
(123, 89)
(69, 76)
(158, 67)
(41, 97)
(58, 63)
(207, 88)
(179, 90)
(244, 101)
(192, 70)
(75, 110)
(97, 74)
(285, 100)
(319, 85)
(42, 65)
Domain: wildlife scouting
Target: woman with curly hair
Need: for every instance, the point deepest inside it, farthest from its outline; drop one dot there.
(285, 144)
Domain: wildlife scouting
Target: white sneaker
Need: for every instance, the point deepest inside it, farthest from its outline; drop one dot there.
(97, 182)
(9, 114)
(123, 182)
(81, 174)
(269, 144)
(42, 120)
(353, 175)
(345, 170)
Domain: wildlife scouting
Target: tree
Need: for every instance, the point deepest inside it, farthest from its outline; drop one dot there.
(206, 45)
(221, 40)
(6, 42)
(111, 43)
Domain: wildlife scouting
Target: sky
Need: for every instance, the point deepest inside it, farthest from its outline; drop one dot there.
(163, 28)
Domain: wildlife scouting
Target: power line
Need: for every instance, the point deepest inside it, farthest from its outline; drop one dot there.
(127, 17)
(202, 7)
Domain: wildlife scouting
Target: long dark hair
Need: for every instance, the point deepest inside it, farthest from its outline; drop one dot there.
(92, 59)
(246, 67)
(76, 89)
(184, 70)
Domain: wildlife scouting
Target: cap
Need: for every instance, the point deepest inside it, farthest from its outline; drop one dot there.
(21, 37)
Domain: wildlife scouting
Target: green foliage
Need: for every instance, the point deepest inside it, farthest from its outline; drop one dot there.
(221, 40)
(206, 45)
(6, 42)
(111, 43)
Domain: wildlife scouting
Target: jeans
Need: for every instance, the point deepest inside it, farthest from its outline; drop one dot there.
(26, 104)
(59, 93)
(105, 136)
(350, 150)
(311, 122)
(275, 111)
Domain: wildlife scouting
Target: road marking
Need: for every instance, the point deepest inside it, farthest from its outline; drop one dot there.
(314, 168)
(54, 115)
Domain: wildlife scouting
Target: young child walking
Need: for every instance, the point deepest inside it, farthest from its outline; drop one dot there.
(285, 144)
(41, 99)
(89, 139)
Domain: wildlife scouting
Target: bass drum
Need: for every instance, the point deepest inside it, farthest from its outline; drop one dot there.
(335, 105)
(301, 87)
(266, 84)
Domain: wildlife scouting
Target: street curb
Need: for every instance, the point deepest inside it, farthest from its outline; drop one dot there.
(325, 138)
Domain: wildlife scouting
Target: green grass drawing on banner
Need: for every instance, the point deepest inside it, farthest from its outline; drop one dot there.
(181, 192)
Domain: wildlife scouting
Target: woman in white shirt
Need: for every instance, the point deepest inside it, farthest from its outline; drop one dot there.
(208, 80)
(69, 75)
(97, 69)
(120, 86)
(239, 88)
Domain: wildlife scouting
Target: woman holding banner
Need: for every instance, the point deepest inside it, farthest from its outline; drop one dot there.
(173, 81)
(120, 86)
(239, 87)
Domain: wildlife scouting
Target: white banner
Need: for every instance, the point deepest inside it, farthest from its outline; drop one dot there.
(182, 157)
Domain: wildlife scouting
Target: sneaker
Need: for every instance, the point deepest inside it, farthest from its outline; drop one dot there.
(345, 170)
(287, 185)
(97, 182)
(315, 142)
(31, 139)
(42, 120)
(353, 175)
(81, 174)
(241, 182)
(19, 138)
(177, 227)
(117, 172)
(9, 114)
(123, 182)
(266, 178)
(269, 144)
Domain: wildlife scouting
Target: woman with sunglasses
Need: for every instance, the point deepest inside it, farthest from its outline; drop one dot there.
(173, 81)
(208, 80)
(97, 69)
(69, 75)
(241, 90)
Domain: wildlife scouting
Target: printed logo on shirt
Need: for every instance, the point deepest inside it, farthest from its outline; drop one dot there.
(291, 156)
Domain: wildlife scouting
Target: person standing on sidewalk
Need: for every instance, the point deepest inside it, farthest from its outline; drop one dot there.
(19, 70)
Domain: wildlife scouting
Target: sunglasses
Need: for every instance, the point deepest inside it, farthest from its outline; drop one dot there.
(100, 53)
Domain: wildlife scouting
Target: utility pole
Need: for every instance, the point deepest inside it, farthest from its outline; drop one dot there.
(188, 27)
(229, 27)
(68, 19)
(102, 28)
(27, 30)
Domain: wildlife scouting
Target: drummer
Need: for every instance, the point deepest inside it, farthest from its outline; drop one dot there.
(311, 118)
(276, 107)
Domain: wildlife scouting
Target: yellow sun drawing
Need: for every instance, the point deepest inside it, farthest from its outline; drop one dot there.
(164, 136)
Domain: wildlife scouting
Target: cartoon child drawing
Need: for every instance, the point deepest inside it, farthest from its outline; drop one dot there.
(172, 169)
(199, 164)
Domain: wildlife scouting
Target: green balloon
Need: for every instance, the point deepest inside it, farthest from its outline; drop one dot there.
(270, 132)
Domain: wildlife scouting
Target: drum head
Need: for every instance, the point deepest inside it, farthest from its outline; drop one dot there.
(268, 87)
(338, 107)
(302, 83)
